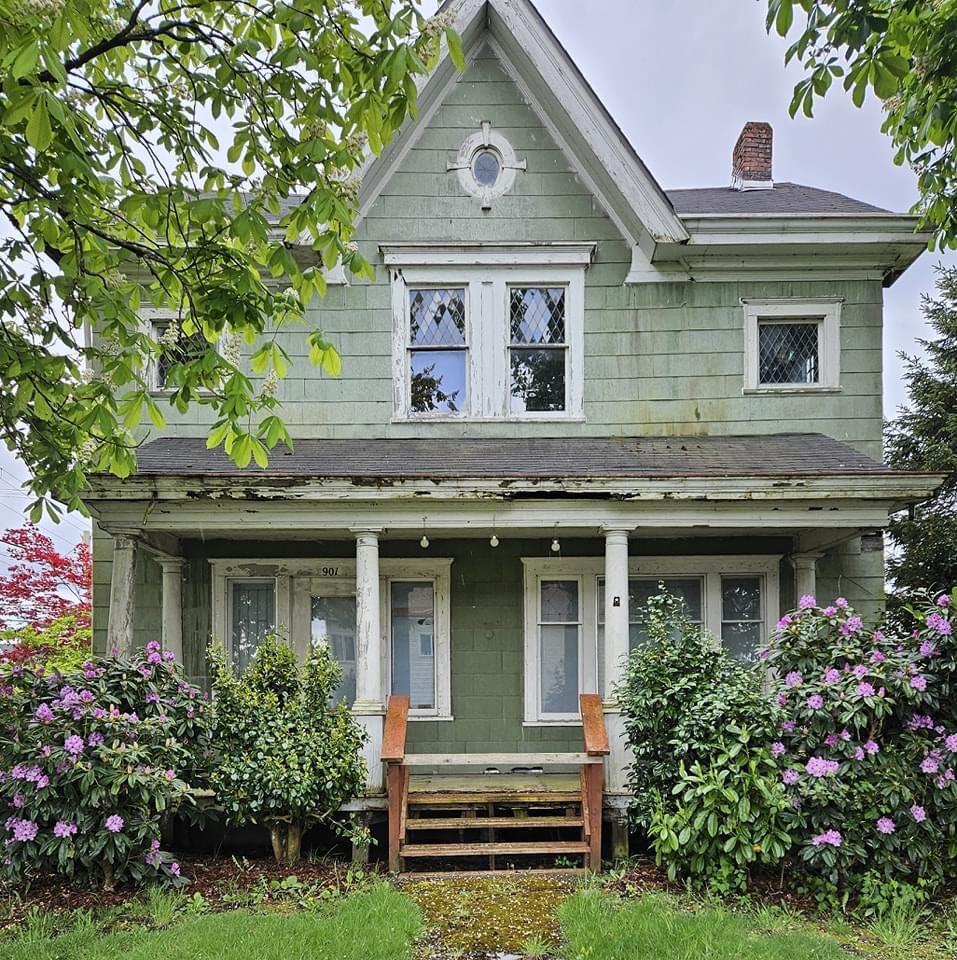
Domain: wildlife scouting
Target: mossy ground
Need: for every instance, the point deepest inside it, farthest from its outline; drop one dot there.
(487, 916)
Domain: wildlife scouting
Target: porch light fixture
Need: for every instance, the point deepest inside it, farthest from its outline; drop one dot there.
(493, 541)
(556, 546)
(424, 542)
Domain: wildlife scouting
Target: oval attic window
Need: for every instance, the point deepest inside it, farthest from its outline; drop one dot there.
(486, 168)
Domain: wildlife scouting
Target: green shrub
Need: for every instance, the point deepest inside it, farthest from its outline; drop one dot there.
(681, 692)
(727, 814)
(288, 758)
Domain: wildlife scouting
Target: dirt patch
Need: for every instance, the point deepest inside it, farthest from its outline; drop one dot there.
(222, 882)
(479, 917)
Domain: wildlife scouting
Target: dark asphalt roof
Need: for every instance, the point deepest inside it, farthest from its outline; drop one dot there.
(775, 455)
(781, 198)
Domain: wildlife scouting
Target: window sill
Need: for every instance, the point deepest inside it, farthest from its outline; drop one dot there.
(751, 391)
(552, 723)
(428, 717)
(557, 418)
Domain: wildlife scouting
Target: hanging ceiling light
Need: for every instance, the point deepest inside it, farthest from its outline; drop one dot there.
(424, 542)
(556, 546)
(493, 541)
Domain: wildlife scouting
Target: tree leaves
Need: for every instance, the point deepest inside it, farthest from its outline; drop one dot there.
(119, 192)
(904, 53)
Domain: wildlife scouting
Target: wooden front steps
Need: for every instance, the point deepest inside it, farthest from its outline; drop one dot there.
(545, 816)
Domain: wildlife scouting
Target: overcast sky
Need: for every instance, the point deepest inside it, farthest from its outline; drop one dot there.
(681, 78)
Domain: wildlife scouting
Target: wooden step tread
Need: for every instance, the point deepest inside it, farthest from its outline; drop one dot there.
(474, 823)
(480, 849)
(526, 760)
(466, 797)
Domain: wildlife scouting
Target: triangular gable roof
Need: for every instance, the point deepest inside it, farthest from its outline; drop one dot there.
(568, 107)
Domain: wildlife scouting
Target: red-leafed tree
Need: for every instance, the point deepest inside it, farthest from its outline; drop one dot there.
(43, 585)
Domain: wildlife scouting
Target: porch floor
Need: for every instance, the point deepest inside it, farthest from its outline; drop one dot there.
(546, 784)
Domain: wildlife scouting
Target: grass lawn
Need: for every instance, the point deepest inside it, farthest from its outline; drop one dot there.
(597, 926)
(378, 924)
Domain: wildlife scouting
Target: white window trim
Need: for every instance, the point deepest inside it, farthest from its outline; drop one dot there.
(291, 577)
(827, 312)
(486, 277)
(709, 569)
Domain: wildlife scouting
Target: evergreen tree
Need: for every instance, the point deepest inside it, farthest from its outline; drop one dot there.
(924, 437)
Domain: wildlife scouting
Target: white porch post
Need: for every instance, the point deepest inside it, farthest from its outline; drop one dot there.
(805, 574)
(171, 632)
(616, 650)
(119, 628)
(369, 707)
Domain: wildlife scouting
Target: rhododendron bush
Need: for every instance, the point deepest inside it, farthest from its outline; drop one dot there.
(868, 742)
(90, 762)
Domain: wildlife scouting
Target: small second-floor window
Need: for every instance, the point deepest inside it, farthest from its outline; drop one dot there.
(538, 349)
(438, 351)
(792, 345)
(176, 347)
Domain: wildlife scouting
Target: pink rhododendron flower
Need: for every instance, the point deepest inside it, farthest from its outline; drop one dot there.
(815, 701)
(44, 714)
(918, 682)
(777, 748)
(951, 742)
(943, 600)
(790, 777)
(927, 649)
(886, 825)
(940, 624)
(64, 829)
(807, 602)
(830, 740)
(114, 823)
(860, 671)
(865, 690)
(782, 699)
(841, 603)
(830, 611)
(174, 868)
(95, 739)
(918, 813)
(787, 726)
(23, 830)
(820, 767)
(929, 765)
(859, 753)
(854, 624)
(832, 675)
(794, 678)
(73, 745)
(831, 837)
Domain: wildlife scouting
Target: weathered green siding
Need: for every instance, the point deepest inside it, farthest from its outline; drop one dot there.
(486, 618)
(659, 358)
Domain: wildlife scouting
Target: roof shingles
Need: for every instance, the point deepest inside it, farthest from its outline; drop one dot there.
(782, 198)
(776, 455)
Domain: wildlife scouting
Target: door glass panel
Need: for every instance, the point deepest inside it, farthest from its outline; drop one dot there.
(253, 615)
(333, 622)
(413, 642)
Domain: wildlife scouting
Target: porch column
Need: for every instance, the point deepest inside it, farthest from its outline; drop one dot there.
(616, 650)
(119, 628)
(171, 632)
(805, 574)
(369, 708)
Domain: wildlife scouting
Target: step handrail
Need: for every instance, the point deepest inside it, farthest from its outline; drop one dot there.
(594, 731)
(396, 722)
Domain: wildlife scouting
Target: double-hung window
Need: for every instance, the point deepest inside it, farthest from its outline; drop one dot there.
(488, 332)
(792, 345)
(733, 598)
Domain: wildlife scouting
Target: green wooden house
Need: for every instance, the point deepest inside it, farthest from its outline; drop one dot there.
(564, 386)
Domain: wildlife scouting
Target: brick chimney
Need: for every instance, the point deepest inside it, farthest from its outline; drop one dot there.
(751, 160)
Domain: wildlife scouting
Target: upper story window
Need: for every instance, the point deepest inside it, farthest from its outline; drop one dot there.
(487, 341)
(176, 347)
(792, 345)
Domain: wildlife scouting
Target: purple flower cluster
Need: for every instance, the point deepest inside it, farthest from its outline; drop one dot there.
(829, 837)
(74, 745)
(940, 624)
(114, 823)
(821, 767)
(790, 776)
(815, 701)
(44, 714)
(886, 825)
(64, 829)
(794, 679)
(22, 830)
(918, 813)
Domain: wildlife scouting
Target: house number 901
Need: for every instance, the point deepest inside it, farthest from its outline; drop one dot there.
(330, 571)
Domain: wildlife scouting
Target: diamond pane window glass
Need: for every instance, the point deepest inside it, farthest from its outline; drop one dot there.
(438, 351)
(788, 352)
(185, 348)
(413, 642)
(640, 591)
(559, 646)
(333, 622)
(538, 349)
(742, 616)
(252, 616)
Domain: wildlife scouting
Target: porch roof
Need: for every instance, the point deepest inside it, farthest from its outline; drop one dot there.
(786, 455)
